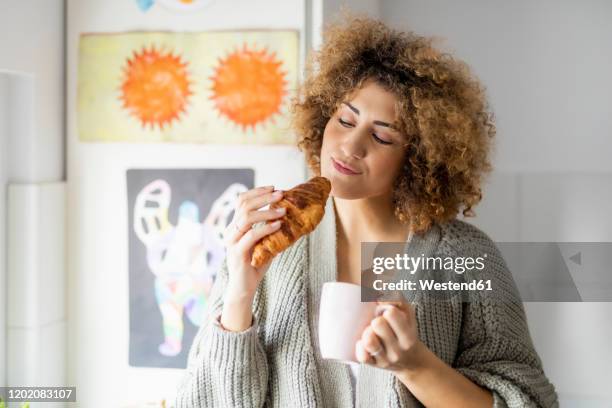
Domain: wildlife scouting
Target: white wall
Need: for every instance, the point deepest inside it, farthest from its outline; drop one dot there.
(321, 12)
(546, 65)
(98, 241)
(32, 42)
(571, 338)
(31, 145)
(4, 103)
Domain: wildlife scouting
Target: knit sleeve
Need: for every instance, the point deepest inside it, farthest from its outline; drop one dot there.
(495, 346)
(224, 369)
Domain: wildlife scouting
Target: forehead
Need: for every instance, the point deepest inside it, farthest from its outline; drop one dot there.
(375, 101)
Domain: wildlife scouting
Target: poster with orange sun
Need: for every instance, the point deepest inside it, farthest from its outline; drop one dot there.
(212, 87)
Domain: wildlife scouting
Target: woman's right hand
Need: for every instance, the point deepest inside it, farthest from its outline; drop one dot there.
(240, 239)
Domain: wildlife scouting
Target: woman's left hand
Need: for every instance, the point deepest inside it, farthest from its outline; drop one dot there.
(391, 339)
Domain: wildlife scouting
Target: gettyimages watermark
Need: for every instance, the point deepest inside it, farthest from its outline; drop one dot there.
(505, 272)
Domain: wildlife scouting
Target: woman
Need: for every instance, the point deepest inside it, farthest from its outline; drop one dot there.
(403, 133)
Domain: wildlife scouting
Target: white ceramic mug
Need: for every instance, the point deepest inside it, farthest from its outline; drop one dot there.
(342, 320)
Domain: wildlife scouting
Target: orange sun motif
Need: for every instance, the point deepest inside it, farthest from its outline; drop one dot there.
(248, 86)
(155, 88)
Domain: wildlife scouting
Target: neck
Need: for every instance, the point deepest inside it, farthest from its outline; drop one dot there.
(368, 219)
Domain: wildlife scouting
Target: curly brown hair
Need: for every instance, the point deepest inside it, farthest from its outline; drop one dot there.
(442, 112)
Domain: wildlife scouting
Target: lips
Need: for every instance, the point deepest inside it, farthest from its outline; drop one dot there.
(343, 168)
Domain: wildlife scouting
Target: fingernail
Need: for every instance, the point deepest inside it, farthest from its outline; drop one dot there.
(281, 210)
(276, 224)
(277, 193)
(381, 309)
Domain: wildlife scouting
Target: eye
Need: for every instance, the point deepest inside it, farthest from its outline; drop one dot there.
(374, 135)
(345, 123)
(379, 140)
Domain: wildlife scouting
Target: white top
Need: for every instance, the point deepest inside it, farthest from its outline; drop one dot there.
(354, 373)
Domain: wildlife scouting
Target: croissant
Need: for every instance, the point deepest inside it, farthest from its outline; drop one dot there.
(305, 206)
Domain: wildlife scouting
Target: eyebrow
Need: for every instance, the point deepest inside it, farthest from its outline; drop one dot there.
(376, 122)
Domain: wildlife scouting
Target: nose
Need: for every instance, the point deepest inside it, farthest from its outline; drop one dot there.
(354, 143)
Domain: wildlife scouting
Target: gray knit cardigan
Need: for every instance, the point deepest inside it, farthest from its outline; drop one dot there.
(276, 362)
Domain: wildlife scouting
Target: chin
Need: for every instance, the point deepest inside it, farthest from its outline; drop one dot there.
(347, 195)
(346, 190)
(342, 189)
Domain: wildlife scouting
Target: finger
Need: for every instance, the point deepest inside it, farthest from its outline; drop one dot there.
(362, 354)
(370, 341)
(242, 197)
(402, 323)
(233, 232)
(402, 305)
(265, 215)
(255, 203)
(375, 356)
(384, 332)
(375, 347)
(249, 239)
(240, 224)
(237, 229)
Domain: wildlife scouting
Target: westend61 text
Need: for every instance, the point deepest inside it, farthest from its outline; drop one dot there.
(429, 284)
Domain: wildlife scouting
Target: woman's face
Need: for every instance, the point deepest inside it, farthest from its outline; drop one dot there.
(361, 135)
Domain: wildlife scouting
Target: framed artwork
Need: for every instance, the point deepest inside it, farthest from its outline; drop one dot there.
(175, 5)
(212, 87)
(177, 219)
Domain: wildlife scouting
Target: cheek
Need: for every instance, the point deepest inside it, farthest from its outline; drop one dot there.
(386, 167)
(327, 146)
